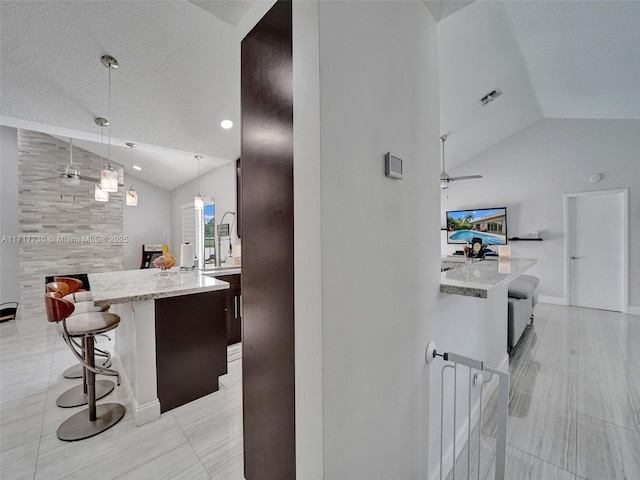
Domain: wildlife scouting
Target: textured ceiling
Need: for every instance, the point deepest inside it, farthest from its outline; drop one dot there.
(550, 59)
(179, 76)
(180, 69)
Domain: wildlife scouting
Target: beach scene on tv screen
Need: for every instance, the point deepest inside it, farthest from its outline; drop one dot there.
(490, 225)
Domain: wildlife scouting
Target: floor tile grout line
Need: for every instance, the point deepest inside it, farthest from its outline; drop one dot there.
(191, 445)
(637, 432)
(542, 460)
(44, 412)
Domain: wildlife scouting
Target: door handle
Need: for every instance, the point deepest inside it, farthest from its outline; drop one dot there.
(575, 258)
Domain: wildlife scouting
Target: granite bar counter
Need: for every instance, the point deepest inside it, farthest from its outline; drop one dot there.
(135, 285)
(478, 278)
(170, 347)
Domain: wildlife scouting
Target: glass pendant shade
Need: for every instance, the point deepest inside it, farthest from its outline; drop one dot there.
(109, 180)
(100, 195)
(132, 198)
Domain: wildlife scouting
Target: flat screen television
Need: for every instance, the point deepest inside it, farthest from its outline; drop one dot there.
(488, 224)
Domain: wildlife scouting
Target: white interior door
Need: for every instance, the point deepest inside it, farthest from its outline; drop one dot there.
(596, 249)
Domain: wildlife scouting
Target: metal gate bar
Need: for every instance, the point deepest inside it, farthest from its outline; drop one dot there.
(502, 413)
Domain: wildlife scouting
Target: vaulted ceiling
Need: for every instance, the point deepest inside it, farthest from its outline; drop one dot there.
(180, 69)
(178, 77)
(549, 59)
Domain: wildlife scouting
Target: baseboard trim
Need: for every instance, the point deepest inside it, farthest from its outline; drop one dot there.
(142, 413)
(552, 300)
(633, 310)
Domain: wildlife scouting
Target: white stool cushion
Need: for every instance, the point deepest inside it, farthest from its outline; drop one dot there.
(79, 297)
(89, 323)
(87, 307)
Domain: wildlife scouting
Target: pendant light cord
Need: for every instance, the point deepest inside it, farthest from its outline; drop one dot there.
(101, 147)
(198, 157)
(109, 118)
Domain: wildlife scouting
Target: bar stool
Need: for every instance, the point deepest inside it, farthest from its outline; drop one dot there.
(79, 395)
(83, 303)
(74, 284)
(96, 418)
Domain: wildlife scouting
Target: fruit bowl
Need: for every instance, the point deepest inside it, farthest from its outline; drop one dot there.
(164, 263)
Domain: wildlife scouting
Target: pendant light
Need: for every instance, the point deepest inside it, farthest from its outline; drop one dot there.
(198, 202)
(109, 176)
(132, 196)
(99, 194)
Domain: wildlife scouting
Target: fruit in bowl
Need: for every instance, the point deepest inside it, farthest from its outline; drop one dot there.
(164, 262)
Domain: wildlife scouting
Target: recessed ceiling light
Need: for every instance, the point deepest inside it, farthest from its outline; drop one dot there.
(226, 124)
(136, 167)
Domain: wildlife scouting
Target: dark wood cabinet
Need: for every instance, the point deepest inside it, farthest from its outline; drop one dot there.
(191, 350)
(233, 308)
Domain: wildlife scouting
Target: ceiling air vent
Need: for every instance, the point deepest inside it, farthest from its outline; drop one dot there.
(490, 97)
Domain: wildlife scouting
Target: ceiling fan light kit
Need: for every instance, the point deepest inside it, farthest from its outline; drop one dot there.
(445, 178)
(71, 175)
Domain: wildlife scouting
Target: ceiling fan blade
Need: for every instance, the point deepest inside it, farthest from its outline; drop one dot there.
(465, 177)
(90, 179)
(42, 179)
(97, 180)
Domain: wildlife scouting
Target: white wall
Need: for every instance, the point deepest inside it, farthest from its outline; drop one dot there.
(145, 223)
(531, 171)
(308, 242)
(9, 215)
(380, 250)
(219, 184)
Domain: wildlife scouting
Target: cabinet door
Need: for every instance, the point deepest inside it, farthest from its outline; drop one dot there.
(233, 308)
(234, 316)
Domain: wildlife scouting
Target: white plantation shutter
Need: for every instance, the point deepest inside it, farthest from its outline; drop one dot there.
(189, 224)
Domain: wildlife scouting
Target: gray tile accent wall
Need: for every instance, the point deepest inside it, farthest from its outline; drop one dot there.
(67, 230)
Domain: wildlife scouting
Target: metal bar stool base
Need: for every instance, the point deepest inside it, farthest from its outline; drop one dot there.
(79, 427)
(75, 371)
(76, 396)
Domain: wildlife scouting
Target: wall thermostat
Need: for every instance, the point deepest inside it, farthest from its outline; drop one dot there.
(392, 166)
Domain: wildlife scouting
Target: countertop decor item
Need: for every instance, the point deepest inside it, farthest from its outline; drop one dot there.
(164, 263)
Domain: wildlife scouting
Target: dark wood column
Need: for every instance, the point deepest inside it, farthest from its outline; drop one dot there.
(267, 248)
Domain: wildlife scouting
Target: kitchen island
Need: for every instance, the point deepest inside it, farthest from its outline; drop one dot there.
(170, 346)
(480, 277)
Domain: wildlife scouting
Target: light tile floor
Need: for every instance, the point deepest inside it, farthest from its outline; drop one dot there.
(574, 406)
(574, 410)
(200, 440)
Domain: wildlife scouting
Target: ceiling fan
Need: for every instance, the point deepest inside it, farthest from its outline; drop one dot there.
(445, 179)
(70, 175)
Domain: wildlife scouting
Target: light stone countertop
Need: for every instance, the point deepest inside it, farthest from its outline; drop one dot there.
(478, 278)
(134, 285)
(217, 271)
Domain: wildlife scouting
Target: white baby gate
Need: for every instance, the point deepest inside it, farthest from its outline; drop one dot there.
(502, 410)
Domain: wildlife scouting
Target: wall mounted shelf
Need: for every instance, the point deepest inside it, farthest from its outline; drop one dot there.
(518, 239)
